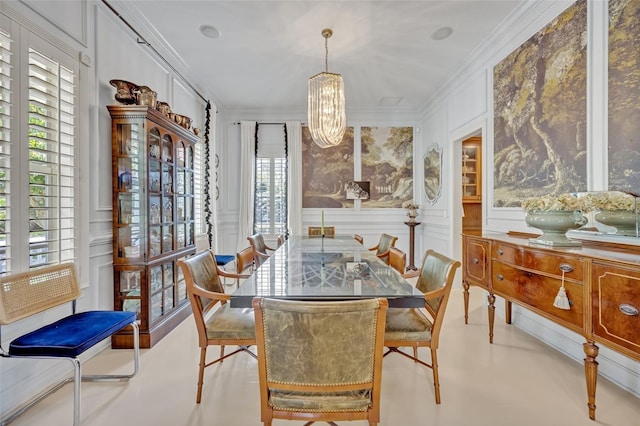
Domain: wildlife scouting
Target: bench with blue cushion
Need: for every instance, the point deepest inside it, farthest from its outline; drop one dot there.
(223, 259)
(25, 294)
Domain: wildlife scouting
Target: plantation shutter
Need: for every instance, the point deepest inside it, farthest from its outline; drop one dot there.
(52, 98)
(5, 147)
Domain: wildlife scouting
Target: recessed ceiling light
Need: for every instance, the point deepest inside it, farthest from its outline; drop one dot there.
(209, 31)
(442, 33)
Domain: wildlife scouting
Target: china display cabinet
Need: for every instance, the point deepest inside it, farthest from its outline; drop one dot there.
(153, 219)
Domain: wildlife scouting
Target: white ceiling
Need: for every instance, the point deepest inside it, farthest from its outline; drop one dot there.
(268, 49)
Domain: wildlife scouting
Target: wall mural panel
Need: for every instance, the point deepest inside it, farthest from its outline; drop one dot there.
(624, 95)
(540, 113)
(326, 172)
(387, 162)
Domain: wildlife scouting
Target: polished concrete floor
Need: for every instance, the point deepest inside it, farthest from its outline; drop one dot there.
(517, 381)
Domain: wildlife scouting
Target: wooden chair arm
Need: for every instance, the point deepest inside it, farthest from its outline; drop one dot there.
(383, 255)
(434, 294)
(199, 291)
(374, 248)
(262, 255)
(412, 274)
(226, 274)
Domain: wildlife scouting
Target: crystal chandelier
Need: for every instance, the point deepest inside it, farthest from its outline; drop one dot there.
(327, 116)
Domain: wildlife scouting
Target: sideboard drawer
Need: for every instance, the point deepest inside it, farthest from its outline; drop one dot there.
(544, 261)
(539, 292)
(476, 261)
(616, 305)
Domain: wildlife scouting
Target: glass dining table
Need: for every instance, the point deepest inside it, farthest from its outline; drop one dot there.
(336, 268)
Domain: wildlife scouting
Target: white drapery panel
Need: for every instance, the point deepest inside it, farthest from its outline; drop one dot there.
(247, 181)
(294, 190)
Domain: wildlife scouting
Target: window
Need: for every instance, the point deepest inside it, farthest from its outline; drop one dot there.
(270, 203)
(37, 160)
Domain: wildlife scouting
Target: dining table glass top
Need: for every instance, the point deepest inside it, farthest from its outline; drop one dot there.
(337, 268)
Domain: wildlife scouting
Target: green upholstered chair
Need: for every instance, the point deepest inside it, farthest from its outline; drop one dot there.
(320, 361)
(260, 248)
(217, 323)
(384, 244)
(397, 259)
(416, 328)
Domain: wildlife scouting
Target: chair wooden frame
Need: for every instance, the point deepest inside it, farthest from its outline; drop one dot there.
(358, 238)
(304, 391)
(384, 244)
(435, 279)
(202, 266)
(398, 259)
(260, 248)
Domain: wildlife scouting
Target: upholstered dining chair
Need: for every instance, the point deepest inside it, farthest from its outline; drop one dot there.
(261, 251)
(384, 244)
(320, 361)
(221, 326)
(412, 327)
(316, 231)
(244, 262)
(397, 259)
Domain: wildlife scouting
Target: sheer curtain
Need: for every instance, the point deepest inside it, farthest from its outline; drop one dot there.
(294, 136)
(247, 180)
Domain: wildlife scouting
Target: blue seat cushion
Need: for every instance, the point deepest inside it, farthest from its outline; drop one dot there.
(72, 335)
(223, 259)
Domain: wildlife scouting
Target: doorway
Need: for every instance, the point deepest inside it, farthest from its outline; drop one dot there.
(472, 185)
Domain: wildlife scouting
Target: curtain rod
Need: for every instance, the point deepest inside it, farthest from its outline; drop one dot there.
(141, 40)
(236, 123)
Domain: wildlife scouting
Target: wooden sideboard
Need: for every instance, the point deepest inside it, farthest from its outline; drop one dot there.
(602, 283)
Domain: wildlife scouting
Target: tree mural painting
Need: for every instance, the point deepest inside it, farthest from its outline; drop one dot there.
(540, 113)
(387, 163)
(326, 172)
(624, 95)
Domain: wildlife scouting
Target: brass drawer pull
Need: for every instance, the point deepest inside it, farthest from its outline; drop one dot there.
(565, 267)
(500, 252)
(628, 310)
(475, 261)
(500, 277)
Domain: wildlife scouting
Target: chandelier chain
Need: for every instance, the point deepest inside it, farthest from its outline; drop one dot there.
(326, 54)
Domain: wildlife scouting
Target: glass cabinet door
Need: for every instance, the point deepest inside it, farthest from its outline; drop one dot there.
(128, 219)
(471, 172)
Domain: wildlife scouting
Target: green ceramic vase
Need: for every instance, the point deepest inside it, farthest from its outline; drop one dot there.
(554, 225)
(623, 220)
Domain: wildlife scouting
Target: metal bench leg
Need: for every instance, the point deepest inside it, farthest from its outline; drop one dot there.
(136, 362)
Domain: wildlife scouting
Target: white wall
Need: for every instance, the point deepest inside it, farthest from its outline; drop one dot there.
(108, 50)
(463, 108)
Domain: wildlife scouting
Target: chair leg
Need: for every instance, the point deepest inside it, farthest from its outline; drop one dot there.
(415, 352)
(203, 359)
(221, 351)
(436, 379)
(77, 379)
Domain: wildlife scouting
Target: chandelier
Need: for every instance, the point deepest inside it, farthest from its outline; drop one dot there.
(327, 116)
